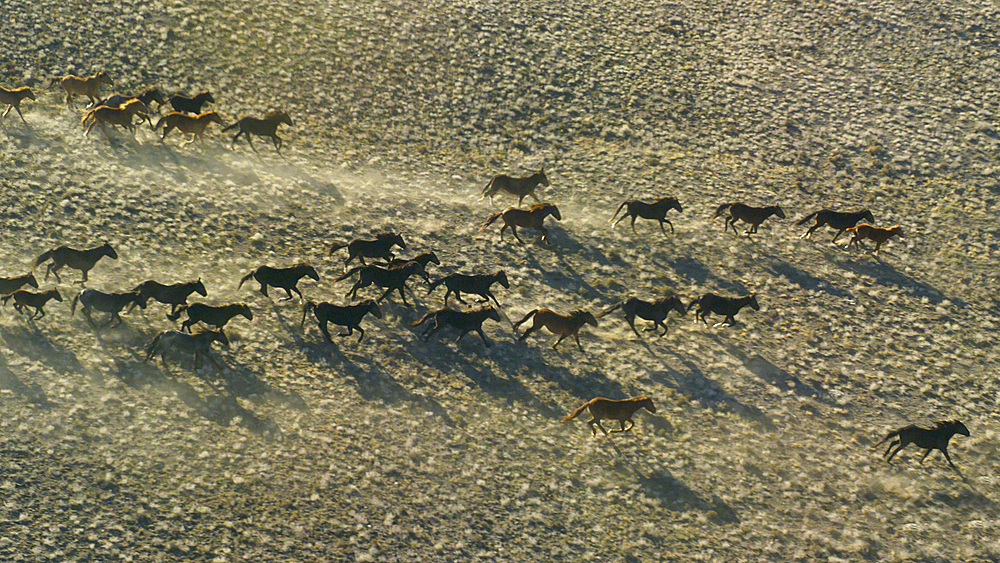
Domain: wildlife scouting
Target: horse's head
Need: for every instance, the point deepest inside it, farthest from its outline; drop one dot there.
(501, 278)
(204, 96)
(674, 303)
(958, 428)
(54, 294)
(540, 177)
(492, 313)
(309, 271)
(776, 209)
(245, 311)
(278, 116)
(104, 77)
(753, 302)
(199, 288)
(373, 308)
(674, 204)
(154, 95)
(431, 257)
(220, 337)
(30, 280)
(647, 402)
(212, 117)
(896, 230)
(26, 92)
(867, 214)
(547, 209)
(106, 250)
(584, 316)
(137, 298)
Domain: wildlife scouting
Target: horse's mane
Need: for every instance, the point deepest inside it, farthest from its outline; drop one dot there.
(274, 113)
(542, 205)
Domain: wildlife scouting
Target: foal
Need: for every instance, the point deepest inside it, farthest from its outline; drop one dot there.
(24, 299)
(518, 186)
(112, 303)
(13, 100)
(267, 127)
(620, 410)
(89, 86)
(656, 210)
(349, 316)
(282, 278)
(656, 311)
(836, 220)
(9, 285)
(531, 219)
(563, 325)
(928, 438)
(877, 234)
(753, 215)
(477, 284)
(464, 321)
(726, 306)
(83, 260)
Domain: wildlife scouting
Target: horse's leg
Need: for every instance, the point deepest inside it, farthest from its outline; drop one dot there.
(326, 332)
(887, 450)
(927, 452)
(458, 296)
(39, 313)
(576, 336)
(249, 142)
(836, 236)
(360, 330)
(948, 457)
(84, 280)
(630, 319)
(482, 335)
(662, 221)
(545, 234)
(633, 223)
(558, 340)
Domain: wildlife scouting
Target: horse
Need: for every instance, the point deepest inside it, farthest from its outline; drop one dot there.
(13, 100)
(24, 299)
(174, 295)
(620, 410)
(266, 127)
(424, 258)
(111, 303)
(563, 325)
(175, 342)
(748, 214)
(122, 115)
(518, 186)
(83, 260)
(379, 248)
(283, 278)
(89, 86)
(349, 316)
(928, 438)
(656, 210)
(477, 284)
(216, 316)
(389, 278)
(656, 311)
(464, 321)
(530, 219)
(182, 103)
(726, 306)
(836, 220)
(187, 124)
(147, 97)
(877, 234)
(9, 285)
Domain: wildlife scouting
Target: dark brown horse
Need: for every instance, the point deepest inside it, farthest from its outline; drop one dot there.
(656, 311)
(877, 234)
(563, 325)
(24, 299)
(282, 278)
(147, 98)
(620, 410)
(725, 306)
(195, 126)
(349, 316)
(9, 285)
(379, 248)
(656, 210)
(464, 321)
(936, 438)
(111, 303)
(267, 127)
(13, 100)
(392, 279)
(174, 295)
(518, 186)
(182, 103)
(176, 343)
(476, 284)
(424, 258)
(533, 218)
(748, 214)
(89, 86)
(212, 315)
(836, 220)
(83, 260)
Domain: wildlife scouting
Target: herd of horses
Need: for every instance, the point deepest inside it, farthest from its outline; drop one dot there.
(392, 274)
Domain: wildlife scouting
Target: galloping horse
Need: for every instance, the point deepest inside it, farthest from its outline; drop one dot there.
(464, 321)
(195, 126)
(9, 285)
(349, 316)
(122, 115)
(266, 127)
(877, 234)
(563, 325)
(175, 342)
(283, 278)
(518, 186)
(24, 299)
(928, 438)
(835, 219)
(620, 410)
(656, 311)
(748, 214)
(212, 315)
(89, 86)
(148, 97)
(656, 210)
(391, 279)
(182, 103)
(174, 295)
(379, 248)
(476, 284)
(13, 100)
(726, 306)
(111, 303)
(530, 219)
(82, 260)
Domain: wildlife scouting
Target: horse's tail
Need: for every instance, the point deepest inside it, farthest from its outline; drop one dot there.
(433, 285)
(697, 300)
(488, 189)
(720, 209)
(160, 121)
(231, 126)
(577, 412)
(490, 220)
(245, 278)
(51, 84)
(348, 274)
(151, 347)
(526, 317)
(333, 248)
(610, 309)
(72, 305)
(806, 219)
(423, 319)
(177, 313)
(889, 435)
(38, 261)
(306, 307)
(624, 203)
(6, 298)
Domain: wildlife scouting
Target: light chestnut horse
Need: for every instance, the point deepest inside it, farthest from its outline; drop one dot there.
(194, 125)
(620, 410)
(877, 234)
(518, 186)
(89, 86)
(13, 99)
(563, 325)
(122, 115)
(533, 218)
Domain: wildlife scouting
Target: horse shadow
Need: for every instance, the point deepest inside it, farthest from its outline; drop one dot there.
(38, 347)
(776, 376)
(887, 275)
(31, 392)
(803, 279)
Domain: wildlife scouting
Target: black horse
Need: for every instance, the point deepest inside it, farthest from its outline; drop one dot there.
(112, 303)
(379, 248)
(83, 260)
(266, 127)
(928, 438)
(175, 342)
(656, 210)
(283, 278)
(464, 321)
(184, 104)
(9, 285)
(216, 316)
(748, 214)
(726, 306)
(656, 311)
(349, 316)
(476, 284)
(24, 299)
(174, 295)
(391, 279)
(836, 220)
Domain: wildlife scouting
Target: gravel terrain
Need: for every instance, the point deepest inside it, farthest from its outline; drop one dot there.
(397, 449)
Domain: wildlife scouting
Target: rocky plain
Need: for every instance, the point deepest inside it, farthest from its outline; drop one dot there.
(399, 449)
